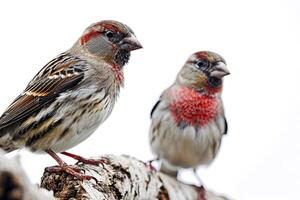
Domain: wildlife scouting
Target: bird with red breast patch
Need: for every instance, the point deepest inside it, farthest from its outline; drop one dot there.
(188, 120)
(71, 95)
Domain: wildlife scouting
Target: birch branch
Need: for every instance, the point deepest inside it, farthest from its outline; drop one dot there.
(122, 177)
(15, 185)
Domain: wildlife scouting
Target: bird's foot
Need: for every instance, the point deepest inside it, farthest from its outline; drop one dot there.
(149, 165)
(72, 170)
(55, 169)
(86, 160)
(201, 189)
(201, 193)
(64, 167)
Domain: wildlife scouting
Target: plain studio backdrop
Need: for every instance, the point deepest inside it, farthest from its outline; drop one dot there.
(259, 158)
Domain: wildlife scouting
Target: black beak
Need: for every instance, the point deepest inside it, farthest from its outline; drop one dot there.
(130, 44)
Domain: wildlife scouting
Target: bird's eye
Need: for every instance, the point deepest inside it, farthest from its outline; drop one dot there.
(109, 34)
(201, 64)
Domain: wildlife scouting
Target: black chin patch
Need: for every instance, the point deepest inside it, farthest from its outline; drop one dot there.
(122, 57)
(214, 82)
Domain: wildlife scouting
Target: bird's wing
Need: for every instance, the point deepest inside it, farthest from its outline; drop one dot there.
(59, 75)
(154, 108)
(226, 126)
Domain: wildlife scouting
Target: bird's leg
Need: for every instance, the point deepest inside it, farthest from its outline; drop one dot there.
(64, 167)
(201, 189)
(150, 166)
(86, 160)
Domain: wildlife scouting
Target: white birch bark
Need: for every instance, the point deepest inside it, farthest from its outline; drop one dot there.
(123, 177)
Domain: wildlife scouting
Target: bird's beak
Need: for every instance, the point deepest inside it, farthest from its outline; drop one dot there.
(130, 44)
(220, 70)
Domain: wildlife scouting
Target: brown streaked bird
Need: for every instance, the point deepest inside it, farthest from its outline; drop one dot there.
(188, 121)
(71, 95)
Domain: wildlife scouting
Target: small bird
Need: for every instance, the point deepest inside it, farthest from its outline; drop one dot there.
(188, 120)
(71, 95)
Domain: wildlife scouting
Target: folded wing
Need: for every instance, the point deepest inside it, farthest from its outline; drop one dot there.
(59, 75)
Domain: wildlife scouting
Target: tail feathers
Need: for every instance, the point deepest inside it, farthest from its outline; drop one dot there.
(168, 169)
(6, 144)
(8, 149)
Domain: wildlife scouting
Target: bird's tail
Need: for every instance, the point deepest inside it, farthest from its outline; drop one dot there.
(167, 168)
(8, 149)
(6, 144)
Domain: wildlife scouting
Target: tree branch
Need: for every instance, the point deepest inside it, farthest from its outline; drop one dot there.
(15, 185)
(122, 177)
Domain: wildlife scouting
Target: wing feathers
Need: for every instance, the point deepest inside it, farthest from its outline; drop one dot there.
(59, 75)
(226, 126)
(154, 108)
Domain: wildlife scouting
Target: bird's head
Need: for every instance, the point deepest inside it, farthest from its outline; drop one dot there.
(110, 40)
(203, 70)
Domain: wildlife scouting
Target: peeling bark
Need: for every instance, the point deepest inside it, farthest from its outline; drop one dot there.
(122, 177)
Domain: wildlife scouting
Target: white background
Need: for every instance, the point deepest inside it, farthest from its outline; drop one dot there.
(259, 158)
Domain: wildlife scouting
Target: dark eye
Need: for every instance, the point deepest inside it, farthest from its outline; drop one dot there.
(202, 64)
(109, 34)
(114, 37)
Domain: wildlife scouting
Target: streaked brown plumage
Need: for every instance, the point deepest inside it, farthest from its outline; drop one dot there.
(73, 94)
